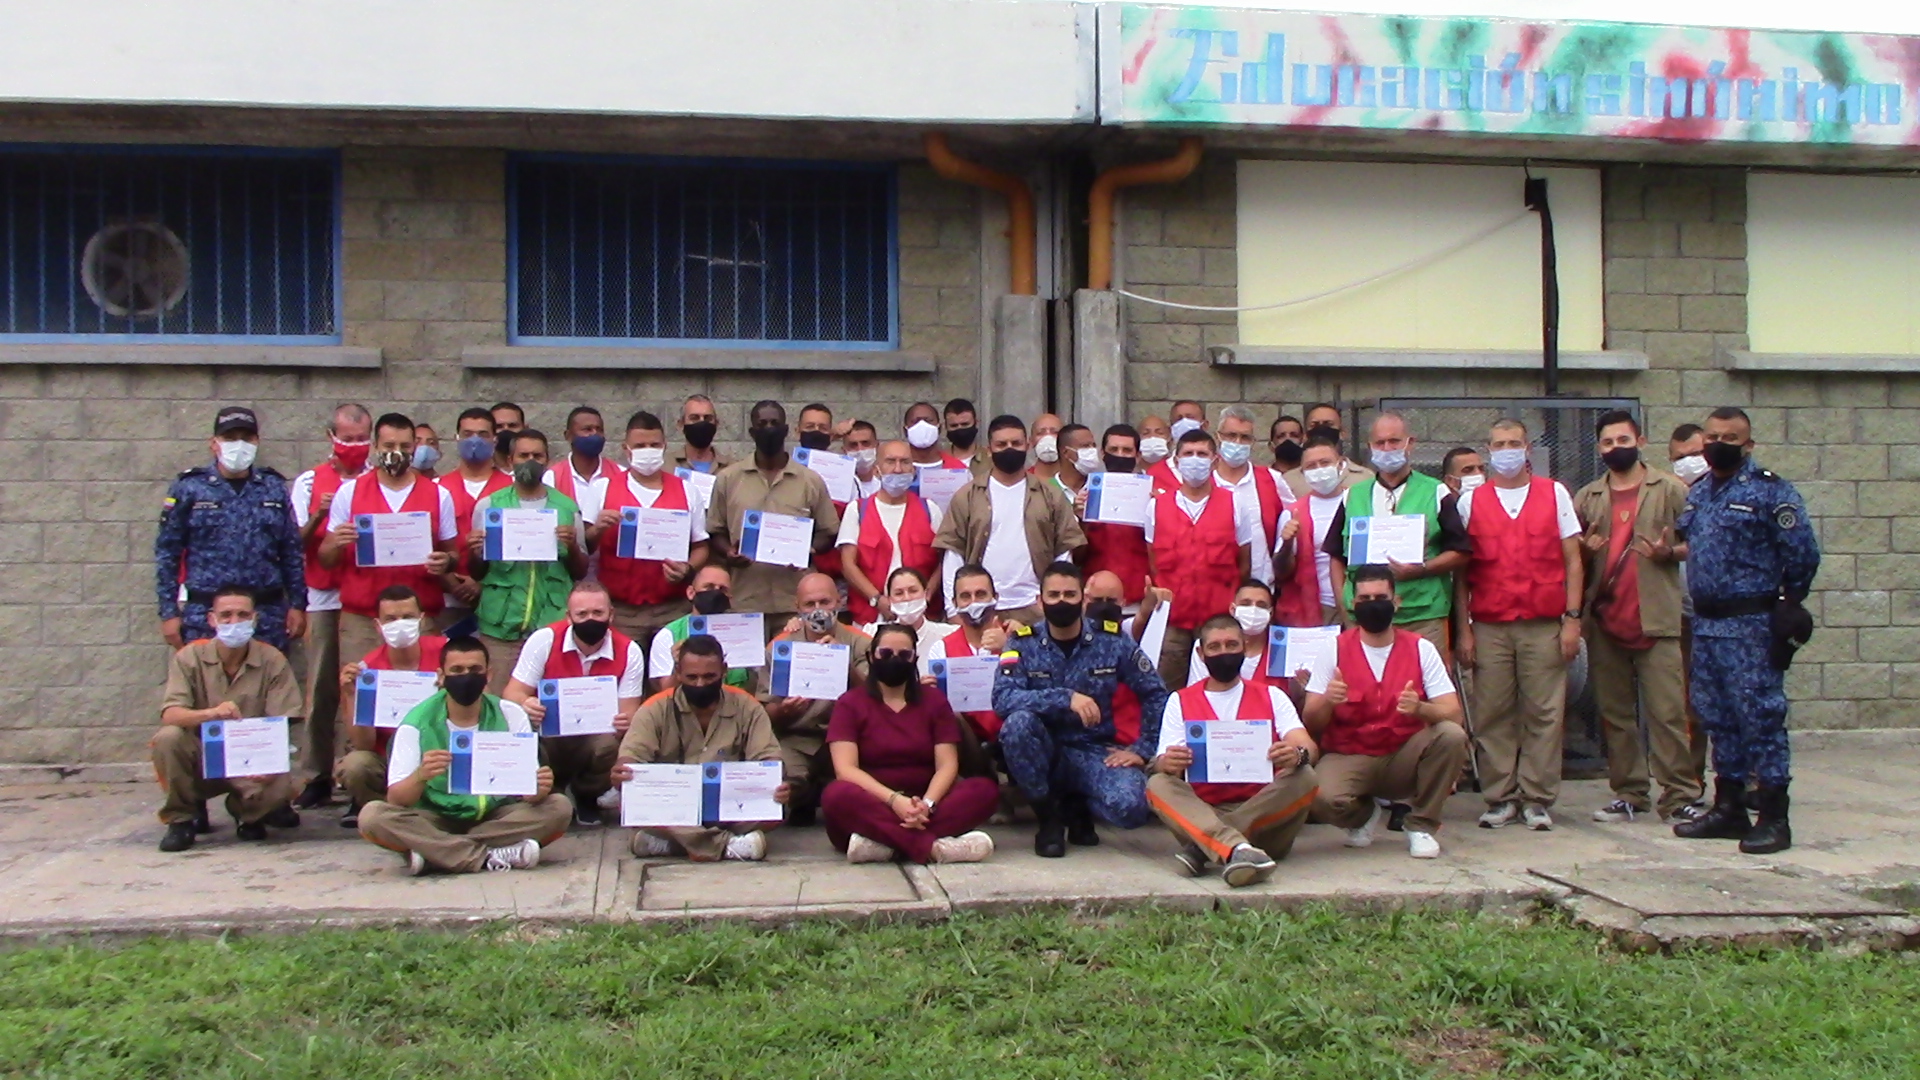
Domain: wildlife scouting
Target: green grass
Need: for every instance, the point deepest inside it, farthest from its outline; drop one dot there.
(1146, 994)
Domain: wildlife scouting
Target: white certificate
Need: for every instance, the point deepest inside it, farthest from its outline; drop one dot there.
(648, 533)
(1381, 538)
(746, 791)
(967, 681)
(1230, 751)
(393, 539)
(701, 481)
(256, 746)
(938, 485)
(579, 706)
(381, 699)
(1119, 498)
(504, 763)
(742, 637)
(521, 535)
(781, 539)
(1290, 648)
(661, 796)
(806, 669)
(835, 469)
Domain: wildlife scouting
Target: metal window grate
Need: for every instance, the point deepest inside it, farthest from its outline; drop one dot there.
(744, 253)
(167, 244)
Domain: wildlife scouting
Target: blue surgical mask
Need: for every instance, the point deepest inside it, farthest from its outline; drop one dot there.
(1507, 462)
(1193, 469)
(588, 445)
(1389, 461)
(234, 635)
(1236, 454)
(896, 484)
(475, 449)
(425, 457)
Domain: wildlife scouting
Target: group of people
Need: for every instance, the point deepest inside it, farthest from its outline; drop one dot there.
(1249, 649)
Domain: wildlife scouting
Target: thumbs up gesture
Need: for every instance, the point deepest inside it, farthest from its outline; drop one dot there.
(1409, 699)
(1337, 688)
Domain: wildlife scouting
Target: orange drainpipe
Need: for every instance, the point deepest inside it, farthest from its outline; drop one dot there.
(1100, 203)
(1019, 205)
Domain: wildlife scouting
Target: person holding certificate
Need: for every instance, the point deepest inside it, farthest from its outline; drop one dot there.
(1199, 544)
(230, 676)
(886, 531)
(423, 818)
(801, 721)
(897, 790)
(700, 720)
(363, 772)
(1252, 612)
(1233, 776)
(1116, 547)
(790, 512)
(1305, 590)
(977, 635)
(1009, 521)
(518, 595)
(709, 592)
(651, 536)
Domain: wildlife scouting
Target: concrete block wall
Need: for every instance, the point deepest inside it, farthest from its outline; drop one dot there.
(94, 448)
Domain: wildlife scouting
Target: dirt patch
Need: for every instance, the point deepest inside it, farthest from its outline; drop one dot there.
(1458, 1051)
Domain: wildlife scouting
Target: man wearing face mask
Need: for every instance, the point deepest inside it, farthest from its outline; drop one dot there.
(1046, 433)
(1323, 418)
(709, 592)
(1252, 612)
(475, 478)
(816, 433)
(1009, 521)
(773, 483)
(801, 723)
(582, 643)
(887, 531)
(1156, 453)
(231, 676)
(1117, 549)
(921, 428)
(1751, 557)
(1286, 440)
(1633, 624)
(1076, 459)
(1199, 539)
(585, 473)
(962, 427)
(978, 632)
(699, 424)
(1462, 470)
(507, 419)
(517, 597)
(862, 444)
(426, 450)
(647, 593)
(1253, 487)
(1306, 594)
(463, 834)
(363, 772)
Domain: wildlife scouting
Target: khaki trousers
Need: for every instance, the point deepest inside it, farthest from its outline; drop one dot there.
(501, 656)
(449, 844)
(1626, 684)
(360, 635)
(1176, 650)
(176, 764)
(581, 764)
(364, 774)
(1519, 709)
(642, 622)
(1421, 773)
(1436, 631)
(1269, 821)
(323, 692)
(701, 843)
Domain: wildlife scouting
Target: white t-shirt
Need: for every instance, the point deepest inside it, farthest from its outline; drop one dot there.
(589, 493)
(646, 496)
(1323, 511)
(1007, 557)
(403, 754)
(890, 518)
(1246, 516)
(1514, 498)
(1173, 721)
(532, 664)
(302, 496)
(1432, 671)
(475, 487)
(866, 489)
(1246, 496)
(342, 510)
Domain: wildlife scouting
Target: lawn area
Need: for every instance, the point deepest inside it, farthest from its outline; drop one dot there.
(1142, 994)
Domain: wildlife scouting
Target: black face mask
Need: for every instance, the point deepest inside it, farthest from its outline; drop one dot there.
(465, 689)
(1621, 458)
(702, 697)
(962, 438)
(893, 670)
(1115, 463)
(770, 439)
(1287, 454)
(503, 443)
(1010, 461)
(710, 602)
(1374, 616)
(1103, 611)
(1062, 614)
(590, 632)
(1331, 429)
(700, 433)
(1224, 667)
(1723, 456)
(816, 440)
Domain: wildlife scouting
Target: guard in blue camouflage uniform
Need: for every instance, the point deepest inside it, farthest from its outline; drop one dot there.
(1055, 693)
(230, 523)
(1751, 556)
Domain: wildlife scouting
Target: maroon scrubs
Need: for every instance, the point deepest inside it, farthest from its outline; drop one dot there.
(896, 748)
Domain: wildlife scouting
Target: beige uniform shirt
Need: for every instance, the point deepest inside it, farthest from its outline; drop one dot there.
(1662, 497)
(1051, 526)
(665, 731)
(796, 491)
(264, 685)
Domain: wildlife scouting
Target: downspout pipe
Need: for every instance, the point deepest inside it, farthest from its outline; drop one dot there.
(1100, 203)
(1019, 205)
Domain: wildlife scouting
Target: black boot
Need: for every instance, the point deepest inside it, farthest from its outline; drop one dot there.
(1051, 841)
(202, 824)
(1079, 816)
(318, 792)
(179, 836)
(1770, 832)
(1727, 820)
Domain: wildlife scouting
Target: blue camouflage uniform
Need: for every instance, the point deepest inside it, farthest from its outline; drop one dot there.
(226, 536)
(1048, 750)
(1749, 543)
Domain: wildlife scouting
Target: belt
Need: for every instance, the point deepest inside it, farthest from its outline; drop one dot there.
(1730, 608)
(261, 597)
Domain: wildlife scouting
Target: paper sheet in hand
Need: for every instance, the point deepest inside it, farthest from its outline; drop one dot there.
(967, 681)
(781, 539)
(579, 706)
(1290, 648)
(1119, 498)
(740, 791)
(1229, 751)
(807, 669)
(938, 485)
(649, 533)
(835, 469)
(493, 763)
(381, 699)
(521, 535)
(1397, 537)
(256, 746)
(700, 480)
(662, 796)
(743, 638)
(393, 539)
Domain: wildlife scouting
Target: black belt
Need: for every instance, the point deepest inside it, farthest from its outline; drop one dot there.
(1739, 605)
(261, 597)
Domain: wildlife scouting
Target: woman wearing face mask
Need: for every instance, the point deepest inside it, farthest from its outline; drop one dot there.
(1252, 611)
(897, 790)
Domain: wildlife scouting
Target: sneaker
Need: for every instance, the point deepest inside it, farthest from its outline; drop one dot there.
(1363, 836)
(1500, 815)
(1422, 845)
(1689, 812)
(1191, 859)
(648, 846)
(180, 836)
(1248, 865)
(974, 846)
(318, 792)
(747, 847)
(1618, 810)
(417, 865)
(609, 799)
(586, 815)
(524, 855)
(862, 850)
(251, 830)
(1536, 817)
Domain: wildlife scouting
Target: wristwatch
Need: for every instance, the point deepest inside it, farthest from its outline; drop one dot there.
(1571, 613)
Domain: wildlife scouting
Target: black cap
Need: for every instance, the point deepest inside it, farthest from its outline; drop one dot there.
(234, 418)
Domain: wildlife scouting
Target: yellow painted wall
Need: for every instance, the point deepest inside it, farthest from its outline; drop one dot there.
(1305, 227)
(1831, 264)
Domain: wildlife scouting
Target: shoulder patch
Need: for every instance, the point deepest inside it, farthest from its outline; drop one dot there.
(1786, 517)
(1022, 630)
(1110, 626)
(1009, 657)
(1140, 661)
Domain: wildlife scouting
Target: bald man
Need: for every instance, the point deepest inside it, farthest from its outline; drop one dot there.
(1045, 438)
(801, 723)
(1156, 448)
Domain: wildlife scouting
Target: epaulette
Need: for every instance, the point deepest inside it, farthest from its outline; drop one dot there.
(1767, 474)
(184, 473)
(1022, 630)
(268, 470)
(1110, 626)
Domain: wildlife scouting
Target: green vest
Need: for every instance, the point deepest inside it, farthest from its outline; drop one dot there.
(740, 677)
(429, 718)
(1422, 598)
(516, 598)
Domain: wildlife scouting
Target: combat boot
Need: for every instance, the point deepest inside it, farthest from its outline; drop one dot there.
(1770, 831)
(1079, 816)
(1051, 841)
(1727, 820)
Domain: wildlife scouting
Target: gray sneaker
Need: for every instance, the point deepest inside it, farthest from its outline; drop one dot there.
(1500, 815)
(1191, 860)
(1248, 865)
(1536, 817)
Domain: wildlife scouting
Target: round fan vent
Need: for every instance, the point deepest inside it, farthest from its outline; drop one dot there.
(135, 269)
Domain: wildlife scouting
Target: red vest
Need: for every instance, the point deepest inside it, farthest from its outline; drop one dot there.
(638, 581)
(1371, 722)
(360, 587)
(1198, 560)
(430, 650)
(985, 722)
(562, 471)
(1256, 703)
(1121, 549)
(463, 505)
(1268, 495)
(326, 481)
(875, 549)
(1164, 478)
(1517, 571)
(1298, 602)
(828, 561)
(564, 663)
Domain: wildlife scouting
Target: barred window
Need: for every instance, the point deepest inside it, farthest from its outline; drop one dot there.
(172, 245)
(740, 253)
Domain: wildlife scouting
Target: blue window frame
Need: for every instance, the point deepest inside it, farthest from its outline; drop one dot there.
(699, 251)
(150, 244)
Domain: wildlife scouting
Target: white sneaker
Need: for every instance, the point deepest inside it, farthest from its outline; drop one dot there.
(1500, 815)
(610, 798)
(416, 865)
(975, 846)
(1363, 836)
(1422, 845)
(861, 849)
(648, 846)
(524, 855)
(1536, 817)
(747, 847)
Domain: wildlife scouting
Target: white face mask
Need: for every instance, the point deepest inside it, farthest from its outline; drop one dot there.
(234, 635)
(1470, 482)
(896, 484)
(1047, 448)
(1507, 462)
(909, 611)
(1236, 454)
(1690, 468)
(864, 458)
(1153, 449)
(1194, 469)
(1184, 425)
(977, 612)
(646, 460)
(922, 434)
(1324, 480)
(1389, 461)
(238, 455)
(1087, 461)
(401, 633)
(1252, 618)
